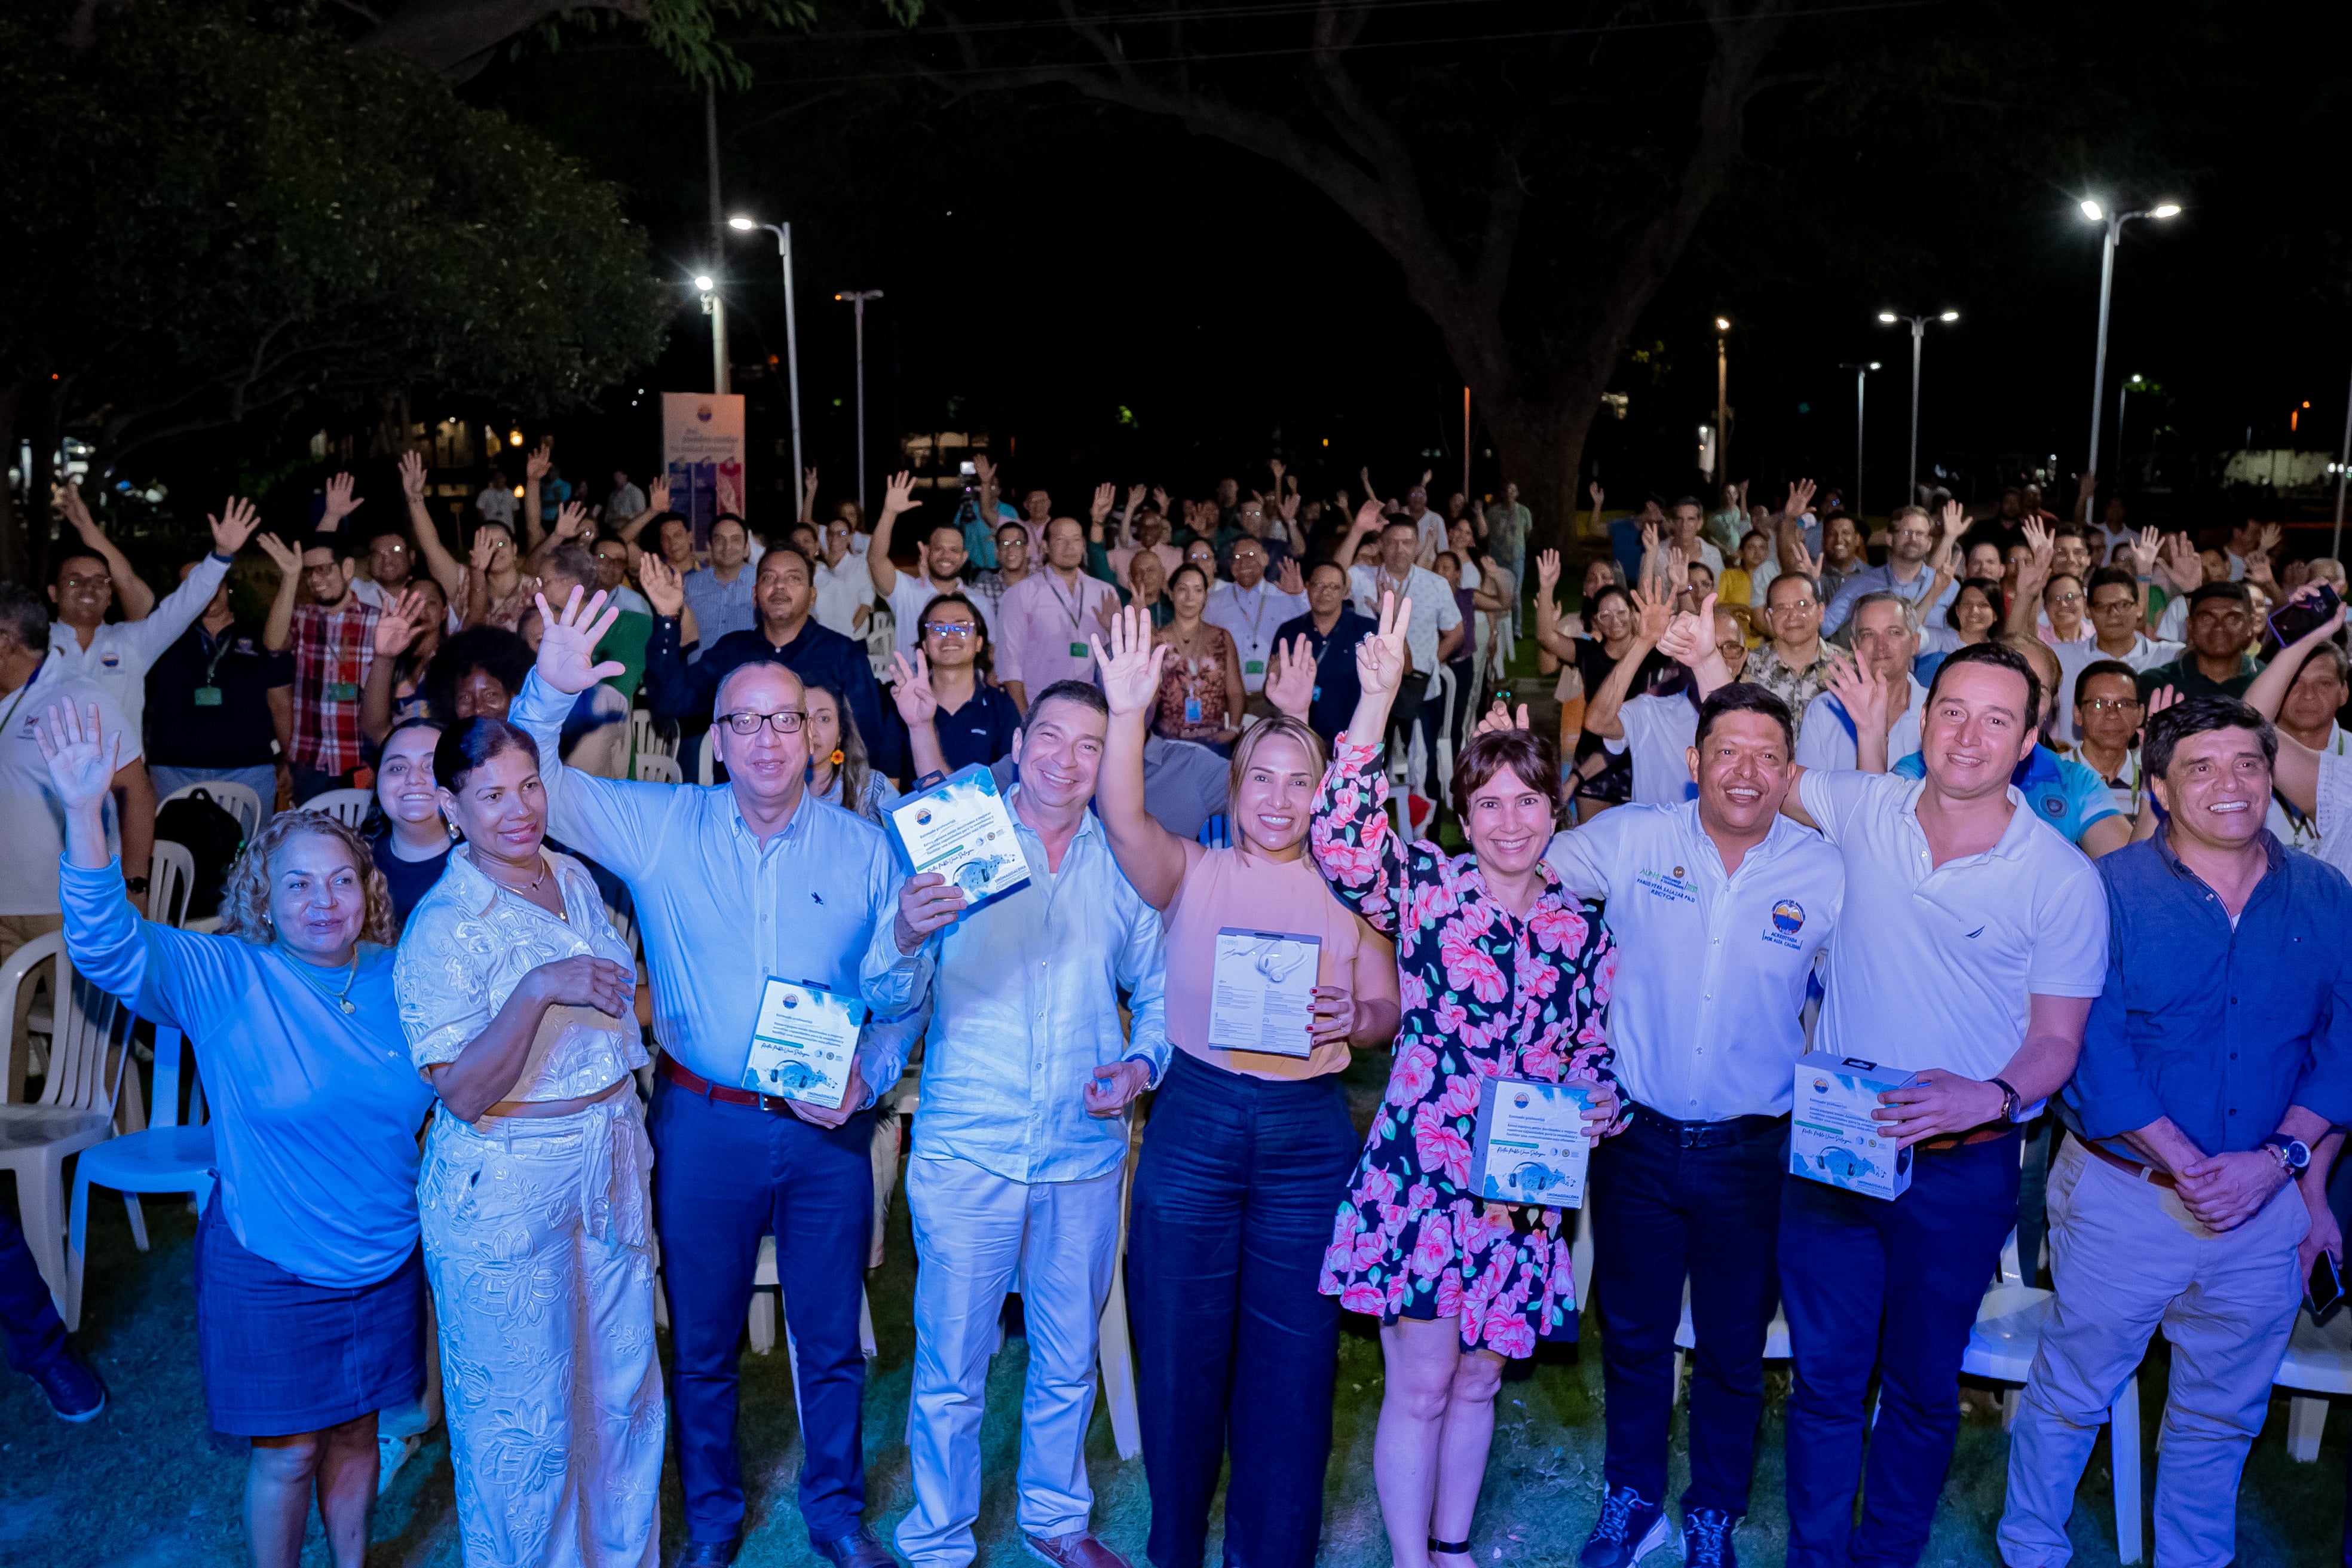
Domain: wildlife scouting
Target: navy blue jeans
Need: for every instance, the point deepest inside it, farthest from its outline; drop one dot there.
(1235, 1192)
(36, 1334)
(1660, 1210)
(723, 1176)
(1894, 1285)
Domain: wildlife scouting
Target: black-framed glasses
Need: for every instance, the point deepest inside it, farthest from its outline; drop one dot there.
(784, 722)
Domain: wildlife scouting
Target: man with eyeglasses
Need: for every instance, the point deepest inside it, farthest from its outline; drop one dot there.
(1885, 643)
(1013, 568)
(2112, 598)
(942, 560)
(331, 632)
(1793, 666)
(1660, 727)
(844, 588)
(1906, 575)
(1252, 610)
(2107, 711)
(735, 885)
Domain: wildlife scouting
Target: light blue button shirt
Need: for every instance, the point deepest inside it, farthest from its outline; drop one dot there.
(1882, 580)
(721, 913)
(315, 1111)
(1026, 1000)
(719, 607)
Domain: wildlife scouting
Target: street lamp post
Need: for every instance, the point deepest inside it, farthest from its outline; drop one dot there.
(1722, 400)
(783, 233)
(2123, 401)
(716, 309)
(1918, 340)
(1861, 376)
(2097, 211)
(856, 299)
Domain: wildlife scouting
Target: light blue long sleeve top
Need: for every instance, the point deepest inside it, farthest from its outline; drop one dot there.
(1026, 1007)
(721, 913)
(315, 1113)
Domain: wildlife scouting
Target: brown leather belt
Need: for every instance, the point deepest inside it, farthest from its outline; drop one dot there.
(2132, 1168)
(1961, 1140)
(694, 1082)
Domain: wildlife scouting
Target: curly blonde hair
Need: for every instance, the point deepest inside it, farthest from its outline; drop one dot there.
(245, 896)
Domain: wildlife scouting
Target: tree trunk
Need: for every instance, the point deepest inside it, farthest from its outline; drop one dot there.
(1541, 446)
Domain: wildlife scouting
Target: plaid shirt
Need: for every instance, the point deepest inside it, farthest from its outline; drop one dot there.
(332, 648)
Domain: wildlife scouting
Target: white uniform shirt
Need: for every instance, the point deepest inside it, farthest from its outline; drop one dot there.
(36, 817)
(1434, 609)
(120, 653)
(2076, 656)
(1252, 617)
(1935, 966)
(841, 592)
(1824, 742)
(1659, 731)
(1711, 971)
(2298, 831)
(497, 506)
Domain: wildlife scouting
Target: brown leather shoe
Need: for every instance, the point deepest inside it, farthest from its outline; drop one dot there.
(1081, 1550)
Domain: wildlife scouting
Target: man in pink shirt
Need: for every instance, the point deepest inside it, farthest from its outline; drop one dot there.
(1046, 618)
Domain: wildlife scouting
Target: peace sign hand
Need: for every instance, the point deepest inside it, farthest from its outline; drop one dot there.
(568, 639)
(1382, 658)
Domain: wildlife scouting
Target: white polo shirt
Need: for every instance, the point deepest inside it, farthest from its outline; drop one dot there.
(120, 653)
(36, 817)
(1934, 966)
(1434, 609)
(1711, 971)
(841, 592)
(1824, 742)
(1660, 733)
(1251, 616)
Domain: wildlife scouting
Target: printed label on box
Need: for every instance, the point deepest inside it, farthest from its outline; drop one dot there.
(1834, 1136)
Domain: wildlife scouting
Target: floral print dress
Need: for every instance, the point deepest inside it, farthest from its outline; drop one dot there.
(1484, 995)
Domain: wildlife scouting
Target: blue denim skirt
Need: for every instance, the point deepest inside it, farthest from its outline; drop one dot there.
(281, 1355)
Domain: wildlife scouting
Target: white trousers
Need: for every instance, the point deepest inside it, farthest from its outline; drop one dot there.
(976, 1236)
(2127, 1260)
(542, 1262)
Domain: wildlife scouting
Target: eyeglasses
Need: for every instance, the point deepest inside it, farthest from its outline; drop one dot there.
(2065, 598)
(787, 721)
(950, 631)
(390, 550)
(1730, 646)
(1799, 606)
(77, 581)
(2111, 705)
(2098, 604)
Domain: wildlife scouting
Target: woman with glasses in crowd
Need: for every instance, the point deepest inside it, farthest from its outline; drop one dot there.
(1505, 975)
(516, 993)
(952, 659)
(1247, 1152)
(308, 1289)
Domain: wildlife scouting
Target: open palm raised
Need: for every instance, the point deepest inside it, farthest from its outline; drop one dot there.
(568, 639)
(1130, 667)
(82, 760)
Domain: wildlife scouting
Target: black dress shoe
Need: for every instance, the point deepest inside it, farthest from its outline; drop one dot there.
(709, 1553)
(858, 1550)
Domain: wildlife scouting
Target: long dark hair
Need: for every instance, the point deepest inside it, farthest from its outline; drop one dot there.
(983, 658)
(855, 767)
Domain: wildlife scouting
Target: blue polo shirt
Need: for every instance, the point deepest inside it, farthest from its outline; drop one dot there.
(2063, 793)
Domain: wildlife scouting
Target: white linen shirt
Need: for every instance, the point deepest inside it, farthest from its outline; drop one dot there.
(1935, 966)
(841, 592)
(120, 653)
(1252, 617)
(470, 943)
(1659, 731)
(1822, 742)
(1705, 1019)
(1434, 609)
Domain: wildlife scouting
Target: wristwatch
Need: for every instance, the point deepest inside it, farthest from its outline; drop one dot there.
(2010, 1103)
(2293, 1153)
(135, 884)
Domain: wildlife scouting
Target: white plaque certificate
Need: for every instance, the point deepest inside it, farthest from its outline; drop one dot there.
(804, 1043)
(961, 829)
(1262, 995)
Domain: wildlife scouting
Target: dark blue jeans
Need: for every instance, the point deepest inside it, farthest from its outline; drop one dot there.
(1894, 1285)
(723, 1176)
(1236, 1194)
(1660, 1210)
(36, 1334)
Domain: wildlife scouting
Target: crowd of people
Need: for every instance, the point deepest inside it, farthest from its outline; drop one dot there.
(2043, 816)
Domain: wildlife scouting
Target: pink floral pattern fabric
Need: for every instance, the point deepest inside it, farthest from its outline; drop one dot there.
(1484, 995)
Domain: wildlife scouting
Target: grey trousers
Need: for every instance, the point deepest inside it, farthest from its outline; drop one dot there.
(2128, 1259)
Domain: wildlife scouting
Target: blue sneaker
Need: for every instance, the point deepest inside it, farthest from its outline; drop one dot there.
(1706, 1537)
(1630, 1530)
(74, 1391)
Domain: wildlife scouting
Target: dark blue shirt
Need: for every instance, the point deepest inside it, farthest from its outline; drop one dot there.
(232, 730)
(1336, 690)
(677, 690)
(2220, 1029)
(979, 731)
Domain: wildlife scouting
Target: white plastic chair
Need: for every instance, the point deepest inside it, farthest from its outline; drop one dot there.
(238, 800)
(171, 877)
(645, 739)
(348, 806)
(76, 1110)
(651, 767)
(2318, 1362)
(165, 1158)
(1421, 743)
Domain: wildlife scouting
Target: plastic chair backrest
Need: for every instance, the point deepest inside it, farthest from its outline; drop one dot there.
(85, 1069)
(646, 738)
(655, 768)
(170, 1046)
(348, 806)
(170, 878)
(1217, 832)
(237, 799)
(708, 766)
(20, 971)
(1444, 747)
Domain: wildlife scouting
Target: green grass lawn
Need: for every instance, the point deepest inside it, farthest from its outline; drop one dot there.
(141, 1485)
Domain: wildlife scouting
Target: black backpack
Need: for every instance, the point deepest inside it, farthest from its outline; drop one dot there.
(210, 833)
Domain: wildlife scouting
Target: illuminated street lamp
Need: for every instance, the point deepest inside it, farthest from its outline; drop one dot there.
(1861, 376)
(1722, 399)
(783, 233)
(2096, 212)
(716, 309)
(1918, 339)
(855, 299)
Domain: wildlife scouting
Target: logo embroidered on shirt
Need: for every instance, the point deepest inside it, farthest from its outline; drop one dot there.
(818, 897)
(1976, 934)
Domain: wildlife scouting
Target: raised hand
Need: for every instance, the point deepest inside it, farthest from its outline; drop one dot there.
(898, 493)
(484, 550)
(1160, 499)
(1130, 667)
(1798, 558)
(808, 487)
(541, 458)
(1134, 499)
(2268, 541)
(2182, 563)
(1289, 581)
(1649, 540)
(983, 470)
(1547, 573)
(397, 625)
(910, 688)
(568, 639)
(1368, 516)
(1652, 616)
(282, 555)
(2162, 698)
(1288, 505)
(571, 518)
(341, 503)
(233, 526)
(1954, 519)
(1689, 638)
(1382, 658)
(659, 579)
(1499, 718)
(1800, 497)
(1595, 491)
(1275, 465)
(68, 500)
(1290, 678)
(412, 476)
(2143, 553)
(1861, 689)
(82, 760)
(1105, 497)
(658, 494)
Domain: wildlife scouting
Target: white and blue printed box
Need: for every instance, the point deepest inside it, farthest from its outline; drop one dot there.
(1834, 1138)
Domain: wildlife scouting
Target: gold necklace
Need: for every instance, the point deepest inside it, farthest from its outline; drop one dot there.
(510, 887)
(340, 998)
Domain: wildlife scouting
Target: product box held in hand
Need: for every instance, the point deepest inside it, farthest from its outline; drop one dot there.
(1833, 1136)
(1529, 1145)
